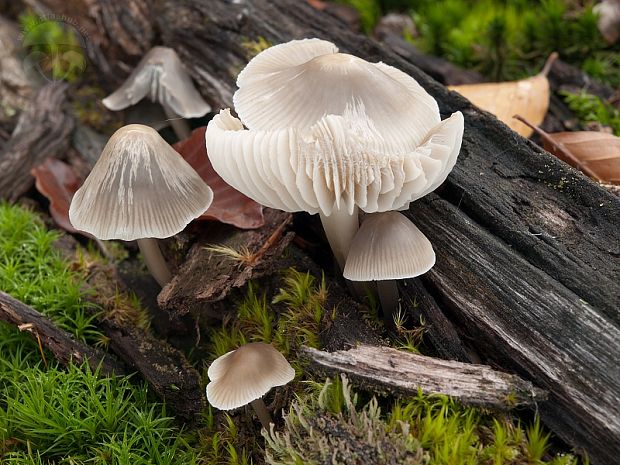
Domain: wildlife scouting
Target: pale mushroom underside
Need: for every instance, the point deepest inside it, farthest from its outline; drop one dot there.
(161, 77)
(139, 188)
(341, 162)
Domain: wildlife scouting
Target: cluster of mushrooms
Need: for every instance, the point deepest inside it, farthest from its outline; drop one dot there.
(317, 131)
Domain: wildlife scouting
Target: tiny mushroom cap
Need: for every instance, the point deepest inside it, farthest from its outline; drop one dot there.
(161, 77)
(246, 374)
(388, 246)
(331, 132)
(139, 188)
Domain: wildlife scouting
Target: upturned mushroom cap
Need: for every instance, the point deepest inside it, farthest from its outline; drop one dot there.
(139, 188)
(246, 374)
(331, 131)
(340, 162)
(388, 246)
(161, 77)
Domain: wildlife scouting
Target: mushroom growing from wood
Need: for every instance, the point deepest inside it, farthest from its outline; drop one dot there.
(388, 247)
(245, 375)
(333, 134)
(140, 189)
(161, 77)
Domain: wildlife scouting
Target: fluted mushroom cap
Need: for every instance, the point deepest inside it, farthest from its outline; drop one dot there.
(246, 374)
(161, 77)
(388, 246)
(342, 161)
(329, 130)
(139, 188)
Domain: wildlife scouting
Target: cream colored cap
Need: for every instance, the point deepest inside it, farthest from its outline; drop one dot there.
(246, 374)
(140, 187)
(388, 246)
(161, 77)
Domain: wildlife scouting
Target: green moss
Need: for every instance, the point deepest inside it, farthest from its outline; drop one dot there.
(328, 425)
(591, 109)
(50, 415)
(32, 271)
(254, 47)
(77, 416)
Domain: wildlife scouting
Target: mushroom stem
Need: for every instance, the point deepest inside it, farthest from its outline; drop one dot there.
(388, 296)
(340, 227)
(261, 411)
(179, 125)
(154, 260)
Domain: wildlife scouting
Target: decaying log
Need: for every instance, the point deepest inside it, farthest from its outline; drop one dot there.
(208, 275)
(60, 343)
(385, 369)
(557, 229)
(165, 368)
(42, 131)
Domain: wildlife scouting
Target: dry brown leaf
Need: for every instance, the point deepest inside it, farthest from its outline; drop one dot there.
(597, 154)
(58, 182)
(229, 205)
(527, 97)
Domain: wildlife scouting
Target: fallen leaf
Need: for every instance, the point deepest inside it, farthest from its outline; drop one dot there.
(57, 181)
(229, 205)
(597, 154)
(528, 97)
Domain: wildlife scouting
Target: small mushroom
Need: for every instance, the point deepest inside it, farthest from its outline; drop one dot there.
(161, 77)
(140, 189)
(388, 247)
(245, 375)
(330, 133)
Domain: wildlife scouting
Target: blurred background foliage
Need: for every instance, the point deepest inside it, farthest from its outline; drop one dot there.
(503, 39)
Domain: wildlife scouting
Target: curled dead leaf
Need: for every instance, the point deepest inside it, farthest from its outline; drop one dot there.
(528, 97)
(596, 154)
(57, 181)
(229, 205)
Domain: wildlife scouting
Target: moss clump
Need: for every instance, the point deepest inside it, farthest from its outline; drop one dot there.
(591, 109)
(327, 426)
(32, 271)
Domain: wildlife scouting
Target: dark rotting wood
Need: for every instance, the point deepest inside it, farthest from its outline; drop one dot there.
(58, 341)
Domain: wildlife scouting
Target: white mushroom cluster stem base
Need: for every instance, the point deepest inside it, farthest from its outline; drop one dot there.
(154, 260)
(327, 132)
(340, 228)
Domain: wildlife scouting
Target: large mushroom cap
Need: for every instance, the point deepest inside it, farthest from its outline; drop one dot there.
(139, 188)
(297, 83)
(161, 77)
(388, 246)
(246, 374)
(329, 131)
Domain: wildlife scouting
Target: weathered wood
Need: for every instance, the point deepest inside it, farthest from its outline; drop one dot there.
(440, 335)
(557, 226)
(403, 373)
(42, 131)
(165, 368)
(208, 275)
(59, 342)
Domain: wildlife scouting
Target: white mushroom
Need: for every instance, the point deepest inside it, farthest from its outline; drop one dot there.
(388, 247)
(245, 375)
(140, 189)
(161, 77)
(330, 133)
